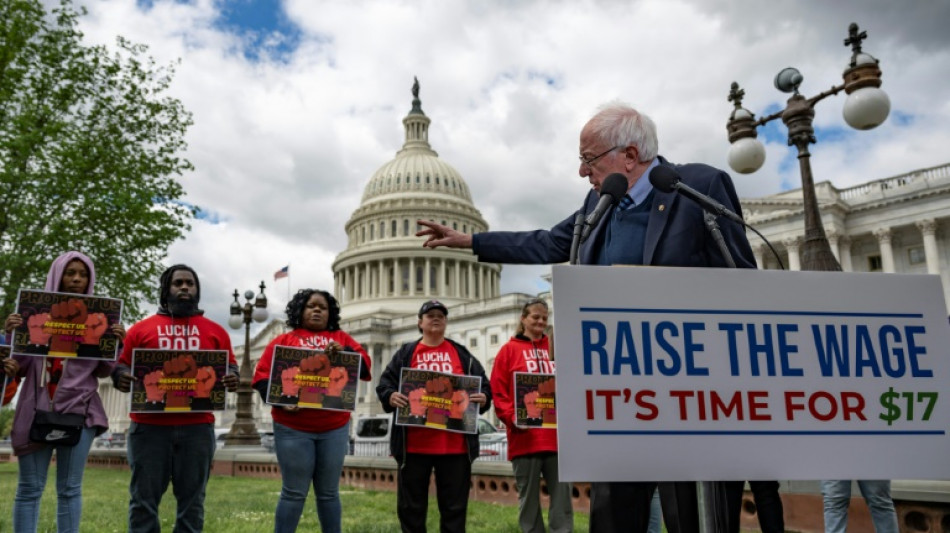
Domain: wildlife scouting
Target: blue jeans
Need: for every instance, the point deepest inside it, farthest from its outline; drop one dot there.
(159, 454)
(306, 458)
(877, 494)
(656, 514)
(33, 468)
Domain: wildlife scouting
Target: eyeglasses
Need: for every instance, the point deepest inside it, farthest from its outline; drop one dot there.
(590, 162)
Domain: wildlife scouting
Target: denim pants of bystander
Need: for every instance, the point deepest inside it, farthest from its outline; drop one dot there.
(159, 454)
(310, 458)
(877, 494)
(33, 470)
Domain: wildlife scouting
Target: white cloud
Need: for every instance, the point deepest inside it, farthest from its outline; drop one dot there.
(283, 149)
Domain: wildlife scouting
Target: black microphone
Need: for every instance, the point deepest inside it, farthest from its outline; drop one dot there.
(666, 179)
(612, 190)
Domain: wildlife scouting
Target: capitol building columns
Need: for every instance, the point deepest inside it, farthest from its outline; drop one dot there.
(793, 245)
(833, 237)
(889, 225)
(928, 229)
(883, 236)
(415, 277)
(844, 253)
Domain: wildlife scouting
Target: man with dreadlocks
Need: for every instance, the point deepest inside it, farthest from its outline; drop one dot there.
(176, 447)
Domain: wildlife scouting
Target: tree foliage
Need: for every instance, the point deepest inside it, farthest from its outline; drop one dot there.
(90, 153)
(6, 421)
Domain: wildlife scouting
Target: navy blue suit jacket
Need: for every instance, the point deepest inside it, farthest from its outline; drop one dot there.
(676, 234)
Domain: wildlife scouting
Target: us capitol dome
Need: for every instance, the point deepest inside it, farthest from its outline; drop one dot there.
(385, 271)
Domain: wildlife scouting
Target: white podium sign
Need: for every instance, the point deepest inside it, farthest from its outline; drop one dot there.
(678, 374)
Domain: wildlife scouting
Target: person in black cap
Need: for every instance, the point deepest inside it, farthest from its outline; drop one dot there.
(420, 450)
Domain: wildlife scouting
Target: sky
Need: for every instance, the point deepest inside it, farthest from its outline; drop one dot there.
(297, 103)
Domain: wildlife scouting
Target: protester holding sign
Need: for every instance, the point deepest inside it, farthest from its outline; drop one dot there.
(533, 451)
(172, 446)
(66, 386)
(420, 450)
(310, 443)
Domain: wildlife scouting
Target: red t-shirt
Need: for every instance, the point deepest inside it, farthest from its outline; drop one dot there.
(310, 420)
(180, 333)
(54, 371)
(441, 358)
(10, 391)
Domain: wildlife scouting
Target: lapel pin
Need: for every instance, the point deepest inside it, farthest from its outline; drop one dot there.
(662, 207)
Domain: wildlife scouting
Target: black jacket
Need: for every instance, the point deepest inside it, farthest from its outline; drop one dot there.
(389, 383)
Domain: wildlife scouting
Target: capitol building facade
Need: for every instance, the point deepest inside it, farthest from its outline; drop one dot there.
(896, 224)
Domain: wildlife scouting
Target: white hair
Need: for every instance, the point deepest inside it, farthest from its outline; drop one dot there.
(619, 124)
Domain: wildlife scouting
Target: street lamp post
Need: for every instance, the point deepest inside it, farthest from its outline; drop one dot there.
(867, 107)
(244, 430)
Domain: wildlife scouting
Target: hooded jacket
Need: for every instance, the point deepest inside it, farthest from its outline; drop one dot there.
(515, 356)
(78, 388)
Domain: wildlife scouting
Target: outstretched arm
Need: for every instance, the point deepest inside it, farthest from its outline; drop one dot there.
(439, 235)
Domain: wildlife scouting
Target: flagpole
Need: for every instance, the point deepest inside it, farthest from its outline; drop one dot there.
(288, 282)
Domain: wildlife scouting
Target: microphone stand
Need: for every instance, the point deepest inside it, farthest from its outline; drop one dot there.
(713, 227)
(709, 494)
(579, 222)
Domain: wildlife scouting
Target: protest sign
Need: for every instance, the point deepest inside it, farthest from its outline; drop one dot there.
(313, 379)
(174, 381)
(438, 400)
(59, 324)
(535, 400)
(708, 374)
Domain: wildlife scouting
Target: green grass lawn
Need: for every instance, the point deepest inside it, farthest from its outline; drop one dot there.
(242, 505)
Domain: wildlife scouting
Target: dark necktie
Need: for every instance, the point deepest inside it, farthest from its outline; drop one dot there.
(626, 202)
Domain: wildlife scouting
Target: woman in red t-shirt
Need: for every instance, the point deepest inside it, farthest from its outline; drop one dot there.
(310, 443)
(419, 451)
(532, 451)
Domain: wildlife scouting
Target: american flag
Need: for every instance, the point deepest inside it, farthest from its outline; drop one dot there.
(282, 273)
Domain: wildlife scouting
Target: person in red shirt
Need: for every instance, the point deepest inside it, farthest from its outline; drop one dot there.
(420, 450)
(310, 443)
(533, 451)
(177, 447)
